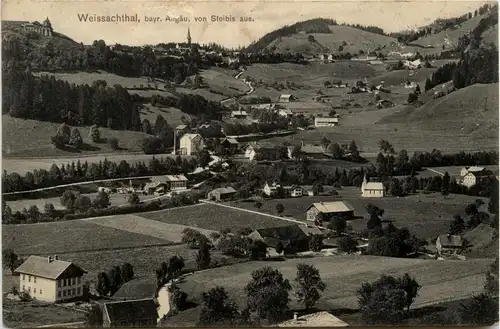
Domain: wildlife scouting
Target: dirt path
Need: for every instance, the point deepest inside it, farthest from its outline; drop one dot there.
(64, 325)
(435, 171)
(254, 212)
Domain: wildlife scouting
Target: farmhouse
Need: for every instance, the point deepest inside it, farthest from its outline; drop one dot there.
(220, 194)
(293, 238)
(372, 189)
(319, 319)
(182, 129)
(285, 113)
(286, 98)
(176, 182)
(230, 144)
(326, 57)
(329, 210)
(294, 191)
(239, 114)
(309, 150)
(271, 188)
(130, 313)
(50, 279)
(262, 149)
(449, 244)
(191, 144)
(383, 104)
(325, 122)
(471, 176)
(156, 188)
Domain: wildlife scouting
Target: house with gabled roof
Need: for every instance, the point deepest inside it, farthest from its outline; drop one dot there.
(286, 98)
(130, 313)
(449, 244)
(293, 238)
(471, 176)
(191, 144)
(262, 148)
(330, 210)
(222, 193)
(50, 279)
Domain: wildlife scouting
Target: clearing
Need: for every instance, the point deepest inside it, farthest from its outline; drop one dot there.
(213, 217)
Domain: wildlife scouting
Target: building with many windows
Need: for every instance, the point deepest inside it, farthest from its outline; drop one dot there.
(50, 279)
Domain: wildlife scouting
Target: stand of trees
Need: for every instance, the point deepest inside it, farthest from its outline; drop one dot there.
(47, 99)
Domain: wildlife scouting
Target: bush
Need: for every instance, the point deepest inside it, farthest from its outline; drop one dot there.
(24, 296)
(113, 143)
(347, 244)
(95, 134)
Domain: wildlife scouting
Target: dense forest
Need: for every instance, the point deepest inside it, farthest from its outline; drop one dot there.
(48, 99)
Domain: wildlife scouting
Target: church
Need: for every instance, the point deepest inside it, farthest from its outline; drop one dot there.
(184, 49)
(372, 189)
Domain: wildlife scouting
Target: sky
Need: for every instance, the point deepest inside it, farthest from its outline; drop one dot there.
(267, 16)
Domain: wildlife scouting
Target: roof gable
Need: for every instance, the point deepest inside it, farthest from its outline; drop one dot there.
(131, 310)
(332, 207)
(450, 241)
(283, 233)
(40, 266)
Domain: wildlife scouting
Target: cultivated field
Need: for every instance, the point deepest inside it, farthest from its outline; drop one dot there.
(213, 217)
(80, 78)
(172, 115)
(71, 236)
(426, 216)
(343, 275)
(140, 225)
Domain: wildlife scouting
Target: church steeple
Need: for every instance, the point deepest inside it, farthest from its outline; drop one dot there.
(189, 38)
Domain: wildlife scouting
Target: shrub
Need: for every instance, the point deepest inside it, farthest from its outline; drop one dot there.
(94, 134)
(113, 143)
(347, 244)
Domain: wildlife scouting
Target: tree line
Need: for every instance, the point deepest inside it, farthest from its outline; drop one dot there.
(47, 99)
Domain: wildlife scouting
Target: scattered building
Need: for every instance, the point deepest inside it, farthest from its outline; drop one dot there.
(221, 194)
(286, 98)
(329, 210)
(372, 189)
(285, 113)
(449, 244)
(50, 279)
(308, 150)
(182, 129)
(325, 122)
(230, 144)
(156, 188)
(271, 188)
(239, 114)
(176, 182)
(130, 313)
(44, 29)
(191, 144)
(384, 103)
(326, 58)
(293, 238)
(319, 319)
(470, 176)
(263, 149)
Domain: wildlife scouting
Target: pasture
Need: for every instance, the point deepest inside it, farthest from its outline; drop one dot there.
(31, 138)
(81, 78)
(71, 236)
(426, 216)
(343, 275)
(213, 217)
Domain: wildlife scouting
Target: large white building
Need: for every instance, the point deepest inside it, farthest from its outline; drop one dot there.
(372, 189)
(191, 144)
(470, 176)
(50, 279)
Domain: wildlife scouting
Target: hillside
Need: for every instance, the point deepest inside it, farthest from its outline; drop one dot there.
(491, 35)
(355, 38)
(33, 42)
(472, 110)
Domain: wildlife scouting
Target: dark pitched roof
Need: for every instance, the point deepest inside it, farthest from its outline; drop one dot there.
(450, 241)
(40, 266)
(285, 234)
(131, 310)
(224, 190)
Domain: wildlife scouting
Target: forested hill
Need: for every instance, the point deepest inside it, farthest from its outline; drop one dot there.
(316, 25)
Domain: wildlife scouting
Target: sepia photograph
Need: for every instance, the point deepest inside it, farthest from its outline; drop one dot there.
(249, 163)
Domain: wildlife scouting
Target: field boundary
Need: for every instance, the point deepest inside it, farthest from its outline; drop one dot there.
(254, 212)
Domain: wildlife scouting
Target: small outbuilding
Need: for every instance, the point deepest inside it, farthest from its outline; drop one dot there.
(221, 194)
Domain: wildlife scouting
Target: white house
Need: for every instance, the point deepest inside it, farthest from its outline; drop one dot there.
(191, 144)
(372, 189)
(285, 113)
(259, 148)
(239, 114)
(50, 279)
(326, 57)
(325, 122)
(286, 98)
(271, 188)
(470, 176)
(449, 244)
